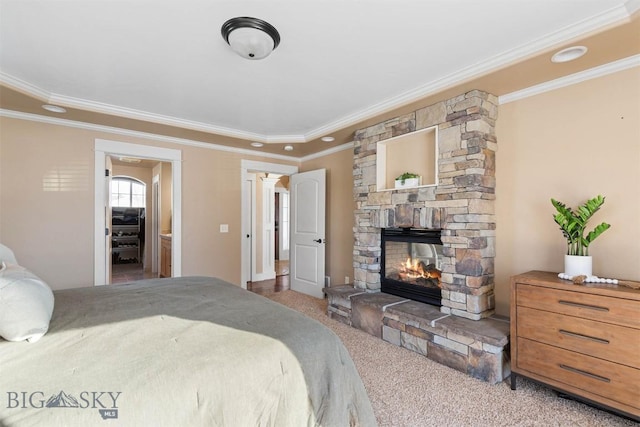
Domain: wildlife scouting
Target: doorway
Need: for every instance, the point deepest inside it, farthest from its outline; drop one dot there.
(258, 221)
(128, 224)
(307, 228)
(140, 217)
(104, 150)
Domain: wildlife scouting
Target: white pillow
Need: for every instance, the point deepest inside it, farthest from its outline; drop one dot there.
(7, 255)
(26, 304)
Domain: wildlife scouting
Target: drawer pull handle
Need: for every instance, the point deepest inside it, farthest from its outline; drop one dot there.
(587, 306)
(576, 335)
(585, 373)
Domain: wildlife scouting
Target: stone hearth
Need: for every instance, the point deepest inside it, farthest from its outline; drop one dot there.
(475, 347)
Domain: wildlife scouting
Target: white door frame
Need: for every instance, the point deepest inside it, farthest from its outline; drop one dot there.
(255, 166)
(108, 220)
(104, 148)
(155, 223)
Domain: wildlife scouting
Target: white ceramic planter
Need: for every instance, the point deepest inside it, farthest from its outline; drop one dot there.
(576, 265)
(408, 183)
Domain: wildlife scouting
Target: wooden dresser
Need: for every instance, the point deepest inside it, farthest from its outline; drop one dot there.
(582, 340)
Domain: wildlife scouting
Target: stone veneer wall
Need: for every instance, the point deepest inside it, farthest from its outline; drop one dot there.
(462, 203)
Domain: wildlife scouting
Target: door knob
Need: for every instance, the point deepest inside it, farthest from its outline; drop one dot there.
(318, 240)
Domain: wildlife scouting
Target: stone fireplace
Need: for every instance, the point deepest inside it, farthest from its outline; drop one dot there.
(461, 204)
(463, 332)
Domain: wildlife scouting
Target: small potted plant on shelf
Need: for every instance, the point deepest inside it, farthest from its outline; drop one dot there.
(407, 179)
(573, 224)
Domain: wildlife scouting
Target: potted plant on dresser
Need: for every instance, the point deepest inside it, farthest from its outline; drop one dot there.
(573, 224)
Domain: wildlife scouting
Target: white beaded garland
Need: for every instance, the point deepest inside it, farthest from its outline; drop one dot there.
(590, 279)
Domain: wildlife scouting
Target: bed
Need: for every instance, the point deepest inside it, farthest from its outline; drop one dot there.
(186, 351)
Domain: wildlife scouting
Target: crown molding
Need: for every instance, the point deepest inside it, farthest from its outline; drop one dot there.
(347, 146)
(24, 87)
(136, 134)
(129, 113)
(592, 73)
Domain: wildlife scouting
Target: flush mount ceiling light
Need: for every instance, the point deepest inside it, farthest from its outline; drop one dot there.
(569, 54)
(251, 38)
(54, 108)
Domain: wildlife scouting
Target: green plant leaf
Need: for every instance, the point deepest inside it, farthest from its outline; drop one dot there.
(601, 228)
(573, 223)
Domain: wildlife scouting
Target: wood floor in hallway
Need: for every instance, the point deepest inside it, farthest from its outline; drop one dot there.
(279, 284)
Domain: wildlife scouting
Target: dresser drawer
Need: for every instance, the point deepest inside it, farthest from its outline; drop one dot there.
(618, 344)
(619, 311)
(607, 379)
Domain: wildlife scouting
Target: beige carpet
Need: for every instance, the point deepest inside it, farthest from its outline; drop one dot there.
(407, 389)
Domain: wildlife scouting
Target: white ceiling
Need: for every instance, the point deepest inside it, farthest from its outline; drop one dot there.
(338, 62)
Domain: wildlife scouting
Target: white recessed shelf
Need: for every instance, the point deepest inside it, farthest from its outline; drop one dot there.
(415, 152)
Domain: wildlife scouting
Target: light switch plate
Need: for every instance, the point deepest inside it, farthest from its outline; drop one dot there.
(224, 228)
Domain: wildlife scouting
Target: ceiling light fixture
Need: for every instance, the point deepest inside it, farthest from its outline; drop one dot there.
(54, 108)
(251, 38)
(569, 54)
(257, 144)
(288, 148)
(328, 139)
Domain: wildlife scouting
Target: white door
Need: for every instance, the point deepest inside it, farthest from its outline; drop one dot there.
(107, 217)
(307, 225)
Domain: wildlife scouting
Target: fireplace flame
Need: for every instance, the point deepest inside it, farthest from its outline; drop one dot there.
(414, 269)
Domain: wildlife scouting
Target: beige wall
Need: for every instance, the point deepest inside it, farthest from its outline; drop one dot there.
(47, 213)
(570, 144)
(339, 208)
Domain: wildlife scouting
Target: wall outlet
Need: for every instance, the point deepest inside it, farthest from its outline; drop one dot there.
(346, 280)
(327, 281)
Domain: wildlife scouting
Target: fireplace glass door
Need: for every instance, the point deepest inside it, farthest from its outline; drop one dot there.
(412, 264)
